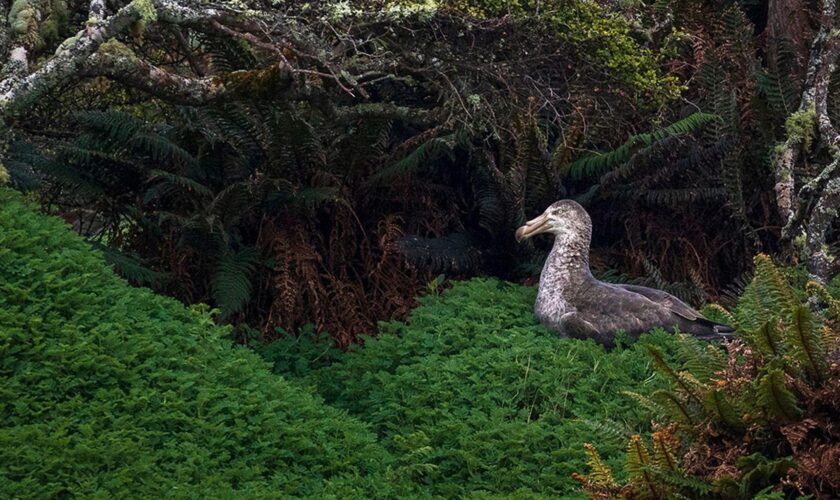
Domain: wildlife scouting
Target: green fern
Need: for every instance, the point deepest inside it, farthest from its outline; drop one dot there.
(718, 314)
(232, 280)
(776, 398)
(719, 405)
(702, 360)
(131, 266)
(600, 472)
(675, 406)
(421, 156)
(767, 340)
(680, 379)
(805, 342)
(638, 467)
(165, 182)
(774, 82)
(598, 164)
(774, 290)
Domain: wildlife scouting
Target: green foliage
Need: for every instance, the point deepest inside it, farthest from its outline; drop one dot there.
(801, 127)
(603, 38)
(759, 401)
(131, 266)
(36, 23)
(774, 83)
(600, 163)
(473, 396)
(776, 398)
(232, 279)
(108, 390)
(422, 155)
(298, 355)
(806, 345)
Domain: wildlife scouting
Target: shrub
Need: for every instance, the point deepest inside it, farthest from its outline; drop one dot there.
(111, 390)
(471, 395)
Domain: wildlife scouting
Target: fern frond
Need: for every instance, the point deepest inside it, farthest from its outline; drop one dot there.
(130, 266)
(718, 314)
(682, 487)
(664, 445)
(767, 340)
(600, 163)
(422, 155)
(231, 202)
(699, 358)
(776, 398)
(718, 405)
(654, 407)
(805, 342)
(303, 198)
(232, 280)
(610, 429)
(162, 150)
(770, 280)
(181, 182)
(116, 127)
(673, 407)
(638, 466)
(489, 198)
(681, 380)
(774, 81)
(599, 472)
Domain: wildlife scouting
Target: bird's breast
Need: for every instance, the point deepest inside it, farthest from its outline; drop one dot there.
(549, 307)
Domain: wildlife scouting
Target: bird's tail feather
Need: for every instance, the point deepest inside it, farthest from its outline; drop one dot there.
(724, 331)
(711, 330)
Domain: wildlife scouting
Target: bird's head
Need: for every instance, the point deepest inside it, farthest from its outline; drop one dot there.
(563, 218)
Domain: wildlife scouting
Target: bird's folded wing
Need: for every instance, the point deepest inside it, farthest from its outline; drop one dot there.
(665, 299)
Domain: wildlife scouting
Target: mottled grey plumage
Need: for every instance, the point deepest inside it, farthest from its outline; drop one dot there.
(575, 304)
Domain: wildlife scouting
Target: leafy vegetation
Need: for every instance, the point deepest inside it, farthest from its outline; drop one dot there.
(309, 169)
(754, 419)
(112, 390)
(473, 396)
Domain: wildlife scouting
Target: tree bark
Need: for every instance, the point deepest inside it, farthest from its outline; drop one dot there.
(812, 211)
(788, 22)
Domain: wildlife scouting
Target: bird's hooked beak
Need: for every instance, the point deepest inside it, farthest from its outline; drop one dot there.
(532, 227)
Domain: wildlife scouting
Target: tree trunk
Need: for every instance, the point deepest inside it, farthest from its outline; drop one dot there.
(809, 214)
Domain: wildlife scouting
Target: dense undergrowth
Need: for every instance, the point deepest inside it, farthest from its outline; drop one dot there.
(758, 420)
(107, 389)
(472, 395)
(111, 390)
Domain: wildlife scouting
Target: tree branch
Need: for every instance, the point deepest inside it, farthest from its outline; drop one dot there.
(19, 93)
(128, 69)
(18, 90)
(828, 61)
